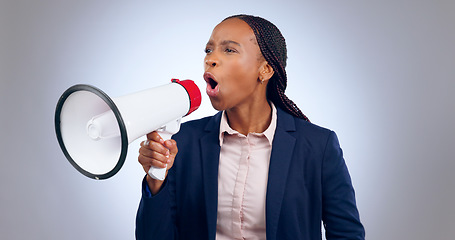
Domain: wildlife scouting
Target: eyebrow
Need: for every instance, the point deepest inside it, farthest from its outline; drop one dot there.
(225, 42)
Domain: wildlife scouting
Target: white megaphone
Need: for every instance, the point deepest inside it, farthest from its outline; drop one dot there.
(94, 130)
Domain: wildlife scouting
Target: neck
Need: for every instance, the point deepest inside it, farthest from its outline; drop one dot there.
(248, 119)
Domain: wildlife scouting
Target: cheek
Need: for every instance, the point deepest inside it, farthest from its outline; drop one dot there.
(242, 74)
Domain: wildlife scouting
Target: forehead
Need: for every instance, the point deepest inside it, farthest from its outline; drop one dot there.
(233, 29)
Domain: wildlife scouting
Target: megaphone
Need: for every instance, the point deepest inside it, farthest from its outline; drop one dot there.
(94, 130)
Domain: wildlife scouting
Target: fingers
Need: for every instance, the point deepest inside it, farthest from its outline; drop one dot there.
(157, 152)
(152, 146)
(153, 154)
(150, 157)
(154, 136)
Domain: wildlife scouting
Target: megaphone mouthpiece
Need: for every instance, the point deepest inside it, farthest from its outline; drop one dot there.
(193, 91)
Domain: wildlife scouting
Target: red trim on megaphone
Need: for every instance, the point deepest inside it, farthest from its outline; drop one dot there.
(193, 93)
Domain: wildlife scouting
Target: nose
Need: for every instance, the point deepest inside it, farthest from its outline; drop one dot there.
(211, 62)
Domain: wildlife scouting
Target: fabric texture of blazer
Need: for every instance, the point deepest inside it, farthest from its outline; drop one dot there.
(308, 182)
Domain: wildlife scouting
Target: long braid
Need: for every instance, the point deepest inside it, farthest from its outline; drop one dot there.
(273, 48)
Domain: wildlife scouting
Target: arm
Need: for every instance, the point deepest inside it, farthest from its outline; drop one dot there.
(339, 211)
(154, 215)
(154, 218)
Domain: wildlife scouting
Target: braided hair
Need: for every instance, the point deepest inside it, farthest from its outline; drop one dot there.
(273, 48)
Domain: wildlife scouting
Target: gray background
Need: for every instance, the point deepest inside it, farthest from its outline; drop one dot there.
(379, 73)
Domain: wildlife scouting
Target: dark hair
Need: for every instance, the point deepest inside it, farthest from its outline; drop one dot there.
(273, 48)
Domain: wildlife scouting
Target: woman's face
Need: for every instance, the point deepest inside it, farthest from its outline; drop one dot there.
(232, 65)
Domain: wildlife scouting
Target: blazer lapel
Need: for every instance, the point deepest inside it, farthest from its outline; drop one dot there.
(282, 151)
(210, 152)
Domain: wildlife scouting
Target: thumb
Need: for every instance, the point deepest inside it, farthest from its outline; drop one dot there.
(171, 144)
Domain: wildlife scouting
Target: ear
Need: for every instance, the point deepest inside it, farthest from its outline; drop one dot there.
(265, 72)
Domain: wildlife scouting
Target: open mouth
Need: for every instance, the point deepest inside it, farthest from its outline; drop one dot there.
(212, 85)
(210, 79)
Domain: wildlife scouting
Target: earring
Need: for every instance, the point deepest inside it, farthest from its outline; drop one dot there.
(262, 80)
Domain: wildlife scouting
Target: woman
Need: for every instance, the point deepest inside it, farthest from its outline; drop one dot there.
(258, 169)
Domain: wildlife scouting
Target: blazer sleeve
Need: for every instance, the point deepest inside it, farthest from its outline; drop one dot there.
(154, 219)
(339, 211)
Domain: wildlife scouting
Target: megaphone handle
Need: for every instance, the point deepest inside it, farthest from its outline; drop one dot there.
(160, 173)
(169, 130)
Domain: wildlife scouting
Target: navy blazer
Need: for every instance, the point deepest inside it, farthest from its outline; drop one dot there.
(308, 182)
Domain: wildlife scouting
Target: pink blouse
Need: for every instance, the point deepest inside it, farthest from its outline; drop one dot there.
(242, 181)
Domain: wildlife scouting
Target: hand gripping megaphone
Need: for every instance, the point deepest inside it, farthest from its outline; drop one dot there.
(94, 130)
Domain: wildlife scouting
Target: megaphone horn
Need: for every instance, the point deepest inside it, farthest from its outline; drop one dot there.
(94, 130)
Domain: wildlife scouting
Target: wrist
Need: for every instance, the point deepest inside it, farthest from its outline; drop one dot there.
(154, 184)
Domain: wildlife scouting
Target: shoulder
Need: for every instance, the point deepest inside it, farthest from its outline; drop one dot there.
(301, 129)
(198, 127)
(202, 123)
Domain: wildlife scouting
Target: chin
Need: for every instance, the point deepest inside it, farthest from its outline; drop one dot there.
(217, 105)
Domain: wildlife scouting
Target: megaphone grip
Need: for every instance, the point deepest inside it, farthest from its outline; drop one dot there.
(160, 173)
(166, 133)
(157, 173)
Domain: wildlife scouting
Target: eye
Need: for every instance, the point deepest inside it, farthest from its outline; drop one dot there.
(208, 50)
(230, 50)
